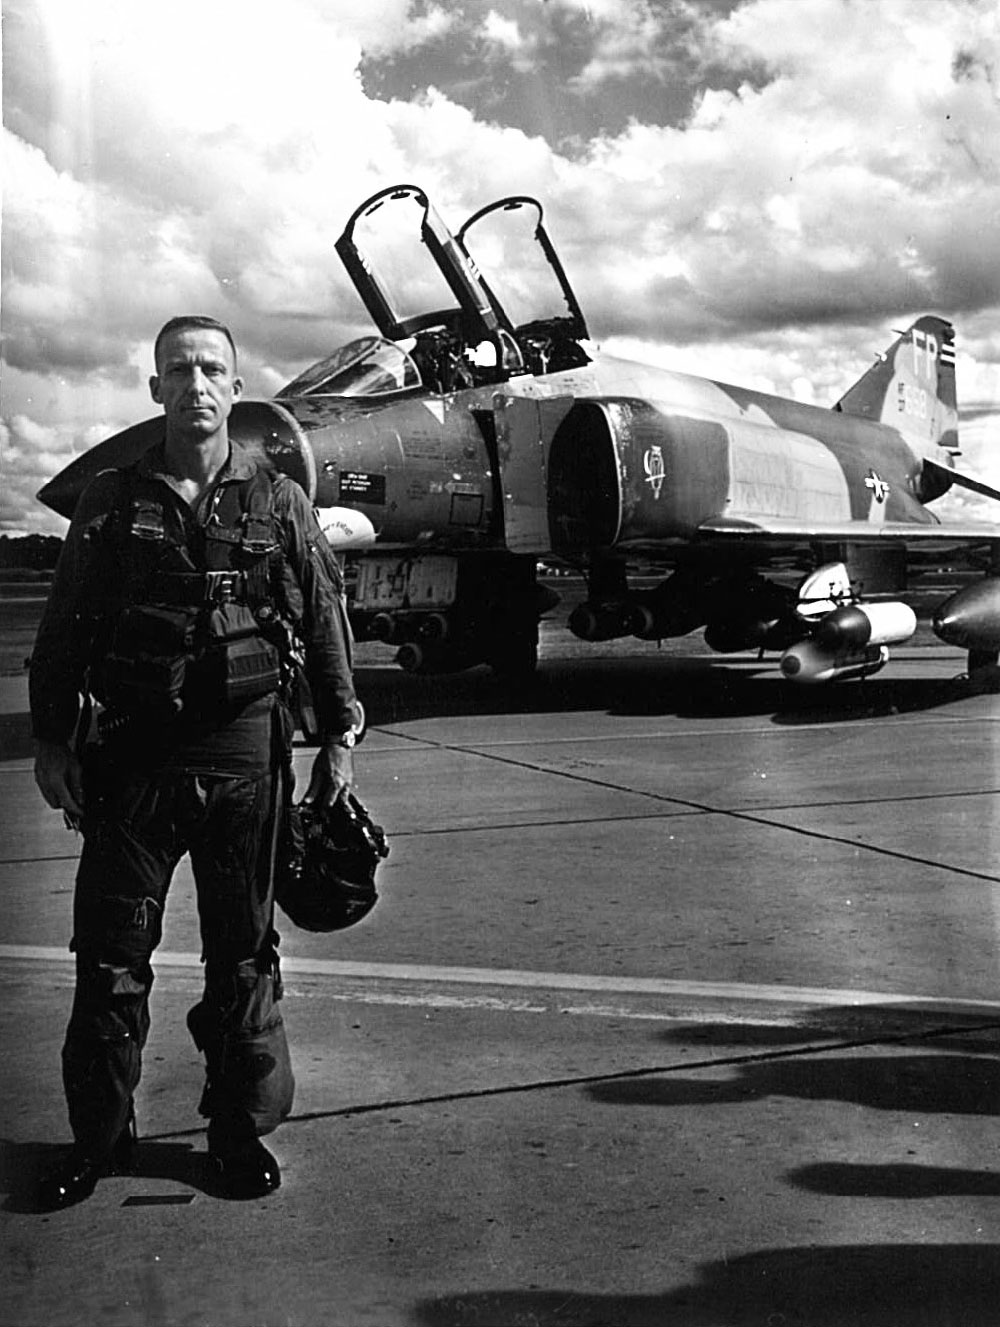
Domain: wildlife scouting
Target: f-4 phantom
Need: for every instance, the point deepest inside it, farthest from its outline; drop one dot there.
(464, 444)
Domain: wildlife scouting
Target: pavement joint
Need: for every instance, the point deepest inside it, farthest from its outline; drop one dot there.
(614, 1076)
(743, 817)
(689, 808)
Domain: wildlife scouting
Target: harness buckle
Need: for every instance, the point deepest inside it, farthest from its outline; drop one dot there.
(221, 587)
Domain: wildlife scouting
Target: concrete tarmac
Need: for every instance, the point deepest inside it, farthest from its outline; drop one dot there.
(680, 1006)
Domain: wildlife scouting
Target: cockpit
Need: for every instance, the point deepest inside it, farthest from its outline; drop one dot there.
(472, 342)
(436, 360)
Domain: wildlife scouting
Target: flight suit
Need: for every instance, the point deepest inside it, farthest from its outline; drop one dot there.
(191, 761)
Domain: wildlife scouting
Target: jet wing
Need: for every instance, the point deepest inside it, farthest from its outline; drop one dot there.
(780, 529)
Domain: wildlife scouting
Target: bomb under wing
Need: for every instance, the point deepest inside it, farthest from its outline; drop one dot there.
(970, 619)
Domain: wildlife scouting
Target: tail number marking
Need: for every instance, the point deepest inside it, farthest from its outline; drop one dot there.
(912, 400)
(925, 353)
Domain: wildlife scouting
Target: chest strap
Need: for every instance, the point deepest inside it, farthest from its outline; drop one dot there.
(199, 588)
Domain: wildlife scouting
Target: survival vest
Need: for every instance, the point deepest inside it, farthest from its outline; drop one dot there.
(191, 620)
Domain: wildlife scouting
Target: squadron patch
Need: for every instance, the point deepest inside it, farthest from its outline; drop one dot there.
(652, 463)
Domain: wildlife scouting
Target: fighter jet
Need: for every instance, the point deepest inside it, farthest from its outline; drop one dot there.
(465, 443)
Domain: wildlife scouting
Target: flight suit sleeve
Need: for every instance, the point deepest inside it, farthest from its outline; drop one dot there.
(314, 590)
(62, 651)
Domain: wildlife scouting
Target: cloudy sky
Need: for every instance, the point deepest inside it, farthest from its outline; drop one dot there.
(756, 190)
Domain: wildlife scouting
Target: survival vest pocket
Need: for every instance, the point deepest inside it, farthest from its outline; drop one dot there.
(155, 629)
(144, 670)
(243, 665)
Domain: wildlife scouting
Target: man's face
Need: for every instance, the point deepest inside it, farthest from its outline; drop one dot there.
(196, 381)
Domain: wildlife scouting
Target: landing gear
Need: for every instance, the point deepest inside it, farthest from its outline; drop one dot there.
(983, 675)
(515, 658)
(512, 651)
(983, 659)
(448, 613)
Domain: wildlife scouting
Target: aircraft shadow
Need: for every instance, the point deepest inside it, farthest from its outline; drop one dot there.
(951, 1084)
(965, 1030)
(626, 688)
(904, 1181)
(692, 687)
(686, 686)
(888, 1285)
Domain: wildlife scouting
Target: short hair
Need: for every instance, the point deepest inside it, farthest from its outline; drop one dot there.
(194, 320)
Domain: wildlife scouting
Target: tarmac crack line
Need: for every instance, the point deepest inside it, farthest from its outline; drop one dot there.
(34, 861)
(685, 810)
(704, 808)
(614, 1076)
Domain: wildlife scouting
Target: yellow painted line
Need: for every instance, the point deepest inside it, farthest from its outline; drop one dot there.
(577, 982)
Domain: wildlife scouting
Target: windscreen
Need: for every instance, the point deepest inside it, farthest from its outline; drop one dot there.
(368, 367)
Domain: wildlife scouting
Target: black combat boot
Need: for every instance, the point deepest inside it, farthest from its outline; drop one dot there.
(76, 1176)
(245, 1166)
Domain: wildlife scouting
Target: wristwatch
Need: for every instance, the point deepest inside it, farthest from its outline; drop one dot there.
(347, 740)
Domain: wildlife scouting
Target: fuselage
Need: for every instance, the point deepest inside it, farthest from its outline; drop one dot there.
(638, 454)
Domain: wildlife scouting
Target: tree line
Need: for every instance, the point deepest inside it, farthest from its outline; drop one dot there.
(33, 552)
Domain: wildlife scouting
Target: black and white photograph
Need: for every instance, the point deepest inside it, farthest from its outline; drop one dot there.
(500, 663)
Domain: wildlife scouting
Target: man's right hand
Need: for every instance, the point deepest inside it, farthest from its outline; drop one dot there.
(59, 777)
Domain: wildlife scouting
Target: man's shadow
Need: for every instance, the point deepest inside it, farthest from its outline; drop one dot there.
(173, 1161)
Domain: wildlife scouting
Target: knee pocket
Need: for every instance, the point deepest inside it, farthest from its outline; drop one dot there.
(254, 1055)
(260, 1075)
(250, 1071)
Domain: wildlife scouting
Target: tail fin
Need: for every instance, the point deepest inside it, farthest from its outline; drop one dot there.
(912, 387)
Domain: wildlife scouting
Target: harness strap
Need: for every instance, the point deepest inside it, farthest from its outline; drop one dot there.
(260, 540)
(197, 589)
(258, 521)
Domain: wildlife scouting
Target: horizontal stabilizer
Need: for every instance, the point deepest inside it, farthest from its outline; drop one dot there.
(962, 480)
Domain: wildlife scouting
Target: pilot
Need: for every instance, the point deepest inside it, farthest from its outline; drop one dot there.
(186, 584)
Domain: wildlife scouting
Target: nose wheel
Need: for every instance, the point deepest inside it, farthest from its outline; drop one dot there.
(516, 659)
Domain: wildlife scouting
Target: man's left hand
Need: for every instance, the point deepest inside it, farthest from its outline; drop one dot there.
(332, 775)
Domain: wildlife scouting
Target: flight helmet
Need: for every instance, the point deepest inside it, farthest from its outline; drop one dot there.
(325, 879)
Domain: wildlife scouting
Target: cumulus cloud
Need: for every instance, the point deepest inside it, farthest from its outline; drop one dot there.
(641, 39)
(504, 31)
(393, 25)
(30, 454)
(863, 177)
(808, 180)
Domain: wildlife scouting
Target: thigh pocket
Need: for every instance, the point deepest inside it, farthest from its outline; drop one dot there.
(119, 934)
